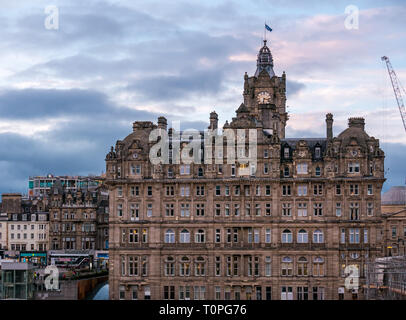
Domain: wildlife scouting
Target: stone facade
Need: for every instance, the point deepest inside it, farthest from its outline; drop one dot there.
(74, 218)
(287, 230)
(394, 223)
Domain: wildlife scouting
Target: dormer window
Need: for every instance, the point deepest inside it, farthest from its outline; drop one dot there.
(286, 171)
(318, 172)
(200, 172)
(286, 152)
(317, 152)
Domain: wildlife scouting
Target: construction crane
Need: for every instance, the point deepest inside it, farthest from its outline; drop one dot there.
(396, 88)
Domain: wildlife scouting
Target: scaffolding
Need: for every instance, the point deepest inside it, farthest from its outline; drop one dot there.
(386, 279)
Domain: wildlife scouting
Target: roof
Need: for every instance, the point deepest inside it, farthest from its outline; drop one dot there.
(311, 142)
(395, 195)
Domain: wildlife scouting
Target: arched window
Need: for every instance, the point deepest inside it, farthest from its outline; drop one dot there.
(200, 266)
(169, 236)
(184, 267)
(302, 267)
(169, 266)
(287, 266)
(184, 236)
(318, 236)
(302, 236)
(199, 236)
(318, 171)
(318, 267)
(200, 172)
(286, 236)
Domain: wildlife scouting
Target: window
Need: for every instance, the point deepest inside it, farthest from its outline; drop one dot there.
(318, 171)
(119, 191)
(394, 232)
(122, 293)
(317, 152)
(200, 172)
(170, 191)
(301, 168)
(247, 209)
(268, 266)
(318, 267)
(302, 236)
(133, 266)
(338, 189)
(184, 267)
(266, 154)
(354, 211)
(169, 210)
(233, 170)
(268, 293)
(217, 238)
(200, 267)
(266, 168)
(338, 209)
(200, 190)
(133, 236)
(287, 267)
(200, 209)
(256, 236)
(257, 209)
(258, 191)
(235, 235)
(267, 190)
(227, 191)
(268, 238)
(184, 191)
(302, 267)
(286, 190)
(286, 171)
(120, 210)
(218, 266)
(365, 235)
(342, 236)
(286, 209)
(218, 190)
(302, 209)
(217, 210)
(149, 191)
(318, 189)
(302, 190)
(370, 190)
(184, 293)
(199, 236)
(149, 210)
(354, 190)
(370, 209)
(184, 210)
(286, 152)
(318, 236)
(268, 209)
(354, 235)
(318, 209)
(353, 167)
(286, 236)
(169, 236)
(199, 292)
(184, 169)
(184, 236)
(169, 292)
(237, 190)
(226, 209)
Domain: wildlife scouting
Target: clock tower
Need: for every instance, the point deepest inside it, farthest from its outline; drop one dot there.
(265, 94)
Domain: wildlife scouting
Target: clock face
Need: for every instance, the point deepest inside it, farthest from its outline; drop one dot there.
(264, 97)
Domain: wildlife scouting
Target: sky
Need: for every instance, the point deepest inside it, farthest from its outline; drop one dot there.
(67, 94)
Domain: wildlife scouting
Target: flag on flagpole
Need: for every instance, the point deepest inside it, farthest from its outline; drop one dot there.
(268, 27)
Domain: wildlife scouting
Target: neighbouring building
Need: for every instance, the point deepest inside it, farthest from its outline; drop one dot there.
(39, 186)
(394, 213)
(16, 281)
(74, 218)
(308, 210)
(24, 226)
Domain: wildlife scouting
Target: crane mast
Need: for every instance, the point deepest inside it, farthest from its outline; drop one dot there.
(396, 88)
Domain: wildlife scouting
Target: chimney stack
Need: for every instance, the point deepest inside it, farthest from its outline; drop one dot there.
(356, 123)
(329, 123)
(162, 123)
(213, 120)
